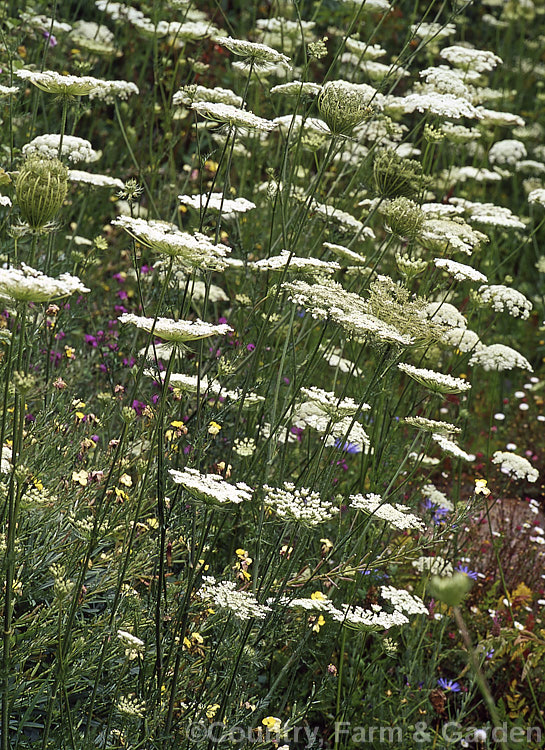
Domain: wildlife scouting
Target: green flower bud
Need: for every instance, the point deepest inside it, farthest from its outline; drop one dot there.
(318, 49)
(396, 176)
(23, 382)
(41, 188)
(344, 105)
(433, 135)
(452, 589)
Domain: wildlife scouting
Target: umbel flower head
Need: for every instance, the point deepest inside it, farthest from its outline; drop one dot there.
(55, 83)
(259, 57)
(41, 187)
(28, 285)
(396, 176)
(176, 330)
(343, 105)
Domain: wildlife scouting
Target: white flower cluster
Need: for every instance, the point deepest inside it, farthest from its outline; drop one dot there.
(432, 31)
(489, 214)
(445, 314)
(242, 604)
(445, 80)
(345, 220)
(499, 119)
(312, 414)
(477, 60)
(28, 285)
(130, 640)
(463, 174)
(73, 148)
(499, 357)
(55, 83)
(443, 105)
(109, 91)
(502, 298)
(129, 14)
(459, 133)
(441, 234)
(507, 153)
(93, 37)
(345, 253)
(260, 56)
(181, 32)
(299, 504)
(330, 300)
(375, 618)
(232, 116)
(403, 600)
(189, 94)
(515, 466)
(176, 330)
(431, 425)
(451, 448)
(286, 260)
(191, 250)
(217, 202)
(537, 196)
(462, 339)
(95, 88)
(436, 566)
(297, 88)
(435, 381)
(41, 21)
(310, 131)
(460, 271)
(98, 180)
(335, 407)
(370, 6)
(397, 515)
(211, 488)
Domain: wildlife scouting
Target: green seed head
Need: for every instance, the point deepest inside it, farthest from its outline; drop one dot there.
(403, 217)
(396, 176)
(344, 105)
(41, 188)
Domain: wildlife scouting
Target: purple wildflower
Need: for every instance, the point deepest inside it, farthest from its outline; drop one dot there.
(449, 685)
(469, 573)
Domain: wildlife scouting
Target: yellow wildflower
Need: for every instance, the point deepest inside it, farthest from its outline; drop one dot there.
(214, 428)
(81, 477)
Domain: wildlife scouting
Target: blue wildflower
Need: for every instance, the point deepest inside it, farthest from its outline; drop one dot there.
(470, 573)
(449, 685)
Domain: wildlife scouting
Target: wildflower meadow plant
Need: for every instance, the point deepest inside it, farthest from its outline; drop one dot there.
(271, 345)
